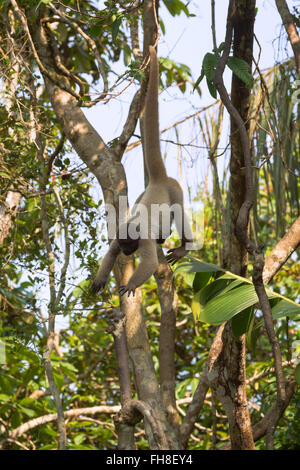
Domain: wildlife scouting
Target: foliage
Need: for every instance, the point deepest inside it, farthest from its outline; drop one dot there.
(220, 295)
(83, 362)
(209, 64)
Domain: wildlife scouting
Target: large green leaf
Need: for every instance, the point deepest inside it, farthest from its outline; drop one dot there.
(225, 306)
(200, 280)
(196, 266)
(201, 298)
(283, 308)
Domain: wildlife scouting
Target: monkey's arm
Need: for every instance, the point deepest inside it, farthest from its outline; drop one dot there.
(106, 266)
(147, 267)
(186, 235)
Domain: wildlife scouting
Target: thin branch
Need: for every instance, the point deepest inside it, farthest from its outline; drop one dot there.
(63, 274)
(116, 327)
(128, 414)
(266, 92)
(290, 27)
(195, 406)
(60, 66)
(45, 72)
(282, 251)
(55, 153)
(33, 423)
(89, 41)
(213, 24)
(139, 142)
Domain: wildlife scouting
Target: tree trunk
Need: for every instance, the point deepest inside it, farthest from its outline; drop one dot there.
(231, 384)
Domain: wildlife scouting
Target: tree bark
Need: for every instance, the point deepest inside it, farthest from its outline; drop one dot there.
(282, 251)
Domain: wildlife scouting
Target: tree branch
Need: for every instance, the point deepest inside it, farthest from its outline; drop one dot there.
(195, 406)
(168, 301)
(290, 27)
(282, 251)
(33, 423)
(116, 327)
(43, 69)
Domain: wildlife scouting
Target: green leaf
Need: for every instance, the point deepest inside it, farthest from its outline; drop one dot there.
(232, 285)
(127, 55)
(209, 64)
(283, 308)
(79, 439)
(4, 398)
(15, 419)
(69, 370)
(166, 63)
(201, 298)
(196, 266)
(43, 1)
(162, 27)
(241, 322)
(27, 411)
(212, 88)
(252, 335)
(175, 7)
(225, 306)
(200, 280)
(115, 28)
(286, 307)
(241, 69)
(199, 79)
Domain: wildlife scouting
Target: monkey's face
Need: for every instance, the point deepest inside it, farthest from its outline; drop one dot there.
(128, 246)
(128, 238)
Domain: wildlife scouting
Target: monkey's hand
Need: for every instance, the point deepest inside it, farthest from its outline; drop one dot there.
(98, 283)
(176, 254)
(128, 288)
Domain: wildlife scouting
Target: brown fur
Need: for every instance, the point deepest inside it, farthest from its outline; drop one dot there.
(160, 190)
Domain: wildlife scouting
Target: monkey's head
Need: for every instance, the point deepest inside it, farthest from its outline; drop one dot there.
(128, 238)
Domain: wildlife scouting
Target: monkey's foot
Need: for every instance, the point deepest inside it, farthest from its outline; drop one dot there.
(124, 289)
(176, 254)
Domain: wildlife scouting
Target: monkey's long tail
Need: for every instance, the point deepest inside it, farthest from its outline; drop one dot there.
(155, 165)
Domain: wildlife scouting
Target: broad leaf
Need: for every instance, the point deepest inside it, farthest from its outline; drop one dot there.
(241, 69)
(241, 322)
(225, 306)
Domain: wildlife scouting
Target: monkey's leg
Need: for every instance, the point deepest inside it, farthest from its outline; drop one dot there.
(106, 266)
(147, 267)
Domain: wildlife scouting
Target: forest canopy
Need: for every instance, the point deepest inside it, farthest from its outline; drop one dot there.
(206, 355)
